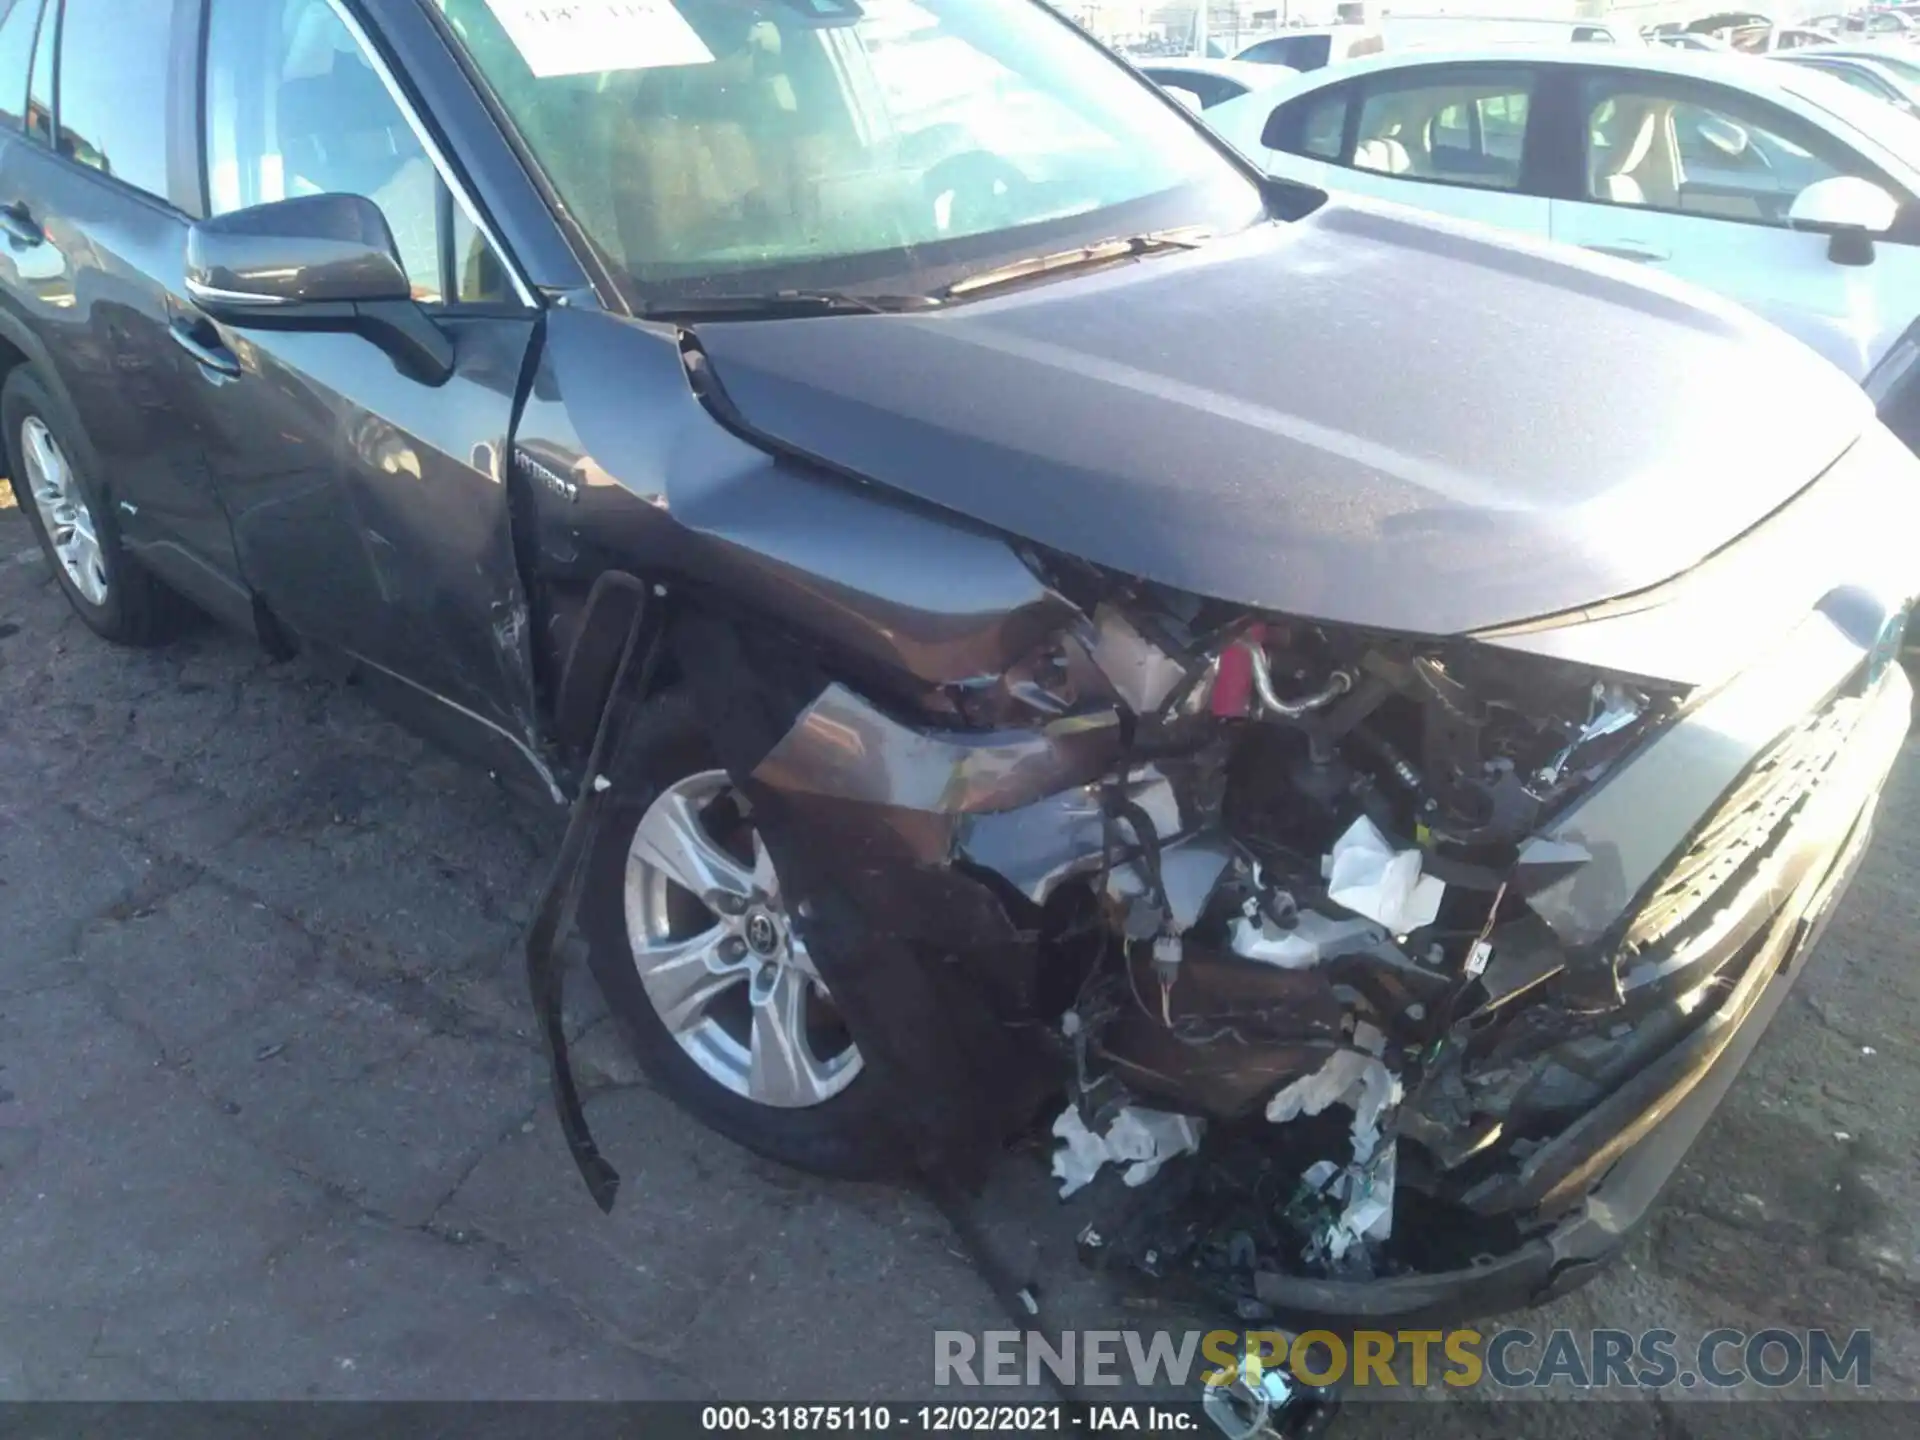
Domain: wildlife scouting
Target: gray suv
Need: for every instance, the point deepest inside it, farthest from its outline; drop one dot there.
(1031, 619)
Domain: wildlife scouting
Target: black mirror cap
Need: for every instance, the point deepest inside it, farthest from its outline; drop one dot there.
(310, 250)
(1291, 199)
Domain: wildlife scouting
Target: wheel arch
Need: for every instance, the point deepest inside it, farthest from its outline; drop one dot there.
(20, 347)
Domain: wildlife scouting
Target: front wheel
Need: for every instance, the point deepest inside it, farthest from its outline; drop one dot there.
(70, 516)
(690, 940)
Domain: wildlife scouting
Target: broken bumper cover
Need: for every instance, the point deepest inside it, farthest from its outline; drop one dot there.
(1607, 1171)
(1686, 886)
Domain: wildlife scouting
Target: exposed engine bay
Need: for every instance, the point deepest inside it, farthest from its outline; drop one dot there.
(1362, 961)
(1302, 944)
(1381, 976)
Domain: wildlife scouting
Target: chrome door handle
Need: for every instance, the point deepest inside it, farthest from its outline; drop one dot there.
(193, 336)
(17, 220)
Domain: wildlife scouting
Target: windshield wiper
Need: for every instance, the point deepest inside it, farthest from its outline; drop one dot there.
(787, 305)
(1100, 252)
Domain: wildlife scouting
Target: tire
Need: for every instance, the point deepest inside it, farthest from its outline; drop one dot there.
(844, 1135)
(118, 598)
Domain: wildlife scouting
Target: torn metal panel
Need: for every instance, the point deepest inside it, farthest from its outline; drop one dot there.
(1190, 872)
(843, 748)
(897, 588)
(1404, 1030)
(553, 915)
(933, 1028)
(1633, 823)
(1142, 673)
(1037, 846)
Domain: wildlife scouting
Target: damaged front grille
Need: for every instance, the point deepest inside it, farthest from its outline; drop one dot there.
(1737, 838)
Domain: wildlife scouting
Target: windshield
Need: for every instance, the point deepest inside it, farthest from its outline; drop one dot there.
(713, 147)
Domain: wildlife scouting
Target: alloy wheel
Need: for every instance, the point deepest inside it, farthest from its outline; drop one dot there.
(63, 510)
(718, 957)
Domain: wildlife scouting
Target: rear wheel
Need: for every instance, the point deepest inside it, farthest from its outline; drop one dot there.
(691, 942)
(69, 514)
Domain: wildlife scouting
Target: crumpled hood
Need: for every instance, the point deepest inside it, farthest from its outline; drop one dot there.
(1368, 416)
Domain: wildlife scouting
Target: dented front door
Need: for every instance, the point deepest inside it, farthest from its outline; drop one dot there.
(370, 511)
(369, 508)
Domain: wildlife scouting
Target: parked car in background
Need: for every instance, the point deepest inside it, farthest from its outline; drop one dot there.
(1314, 48)
(1725, 20)
(1902, 60)
(1768, 39)
(1777, 185)
(1869, 76)
(1202, 84)
(1687, 40)
(1889, 25)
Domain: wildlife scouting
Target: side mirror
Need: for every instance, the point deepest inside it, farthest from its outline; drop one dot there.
(1850, 210)
(315, 262)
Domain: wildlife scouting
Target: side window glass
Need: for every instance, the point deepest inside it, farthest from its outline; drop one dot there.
(1731, 159)
(293, 107)
(479, 277)
(1464, 130)
(1323, 125)
(16, 54)
(40, 90)
(113, 88)
(1503, 126)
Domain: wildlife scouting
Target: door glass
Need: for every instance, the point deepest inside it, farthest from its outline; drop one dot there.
(40, 91)
(1728, 157)
(1503, 126)
(1466, 130)
(479, 277)
(16, 52)
(113, 88)
(294, 108)
(1323, 125)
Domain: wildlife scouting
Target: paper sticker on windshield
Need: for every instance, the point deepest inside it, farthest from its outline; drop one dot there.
(585, 37)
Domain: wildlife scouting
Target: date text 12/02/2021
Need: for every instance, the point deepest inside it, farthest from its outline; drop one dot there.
(941, 1419)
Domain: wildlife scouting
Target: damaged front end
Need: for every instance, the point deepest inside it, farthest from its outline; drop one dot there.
(1412, 941)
